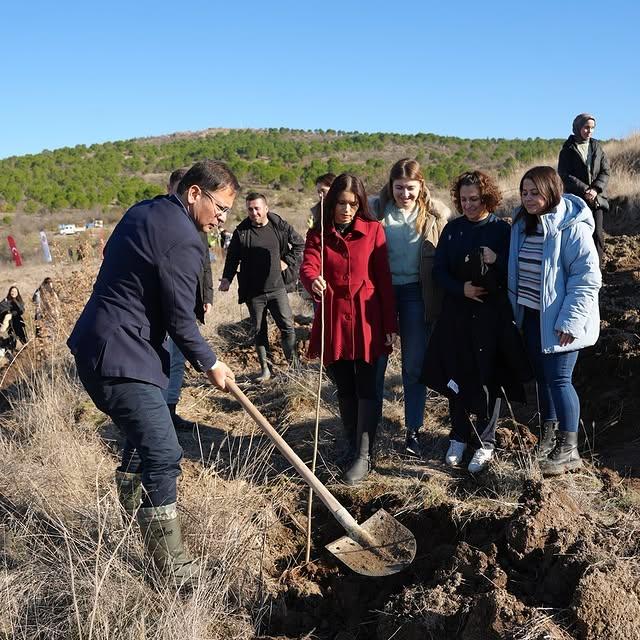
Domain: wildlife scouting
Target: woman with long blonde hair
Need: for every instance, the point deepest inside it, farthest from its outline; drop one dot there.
(412, 221)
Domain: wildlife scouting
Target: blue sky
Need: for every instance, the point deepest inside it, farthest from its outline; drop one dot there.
(85, 72)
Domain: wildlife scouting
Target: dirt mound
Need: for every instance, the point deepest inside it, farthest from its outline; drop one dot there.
(513, 436)
(608, 374)
(606, 603)
(477, 577)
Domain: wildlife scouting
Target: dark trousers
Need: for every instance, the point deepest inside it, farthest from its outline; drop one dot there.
(151, 447)
(277, 303)
(20, 329)
(554, 371)
(481, 432)
(354, 378)
(598, 234)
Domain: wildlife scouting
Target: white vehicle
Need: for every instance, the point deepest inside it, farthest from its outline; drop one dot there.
(66, 229)
(69, 229)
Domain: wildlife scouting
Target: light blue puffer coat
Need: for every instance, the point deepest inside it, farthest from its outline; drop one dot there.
(570, 276)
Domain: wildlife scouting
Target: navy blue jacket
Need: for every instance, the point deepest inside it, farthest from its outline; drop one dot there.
(458, 239)
(146, 287)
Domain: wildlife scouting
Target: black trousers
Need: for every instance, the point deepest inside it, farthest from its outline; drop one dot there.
(354, 378)
(151, 447)
(277, 303)
(480, 433)
(598, 234)
(20, 329)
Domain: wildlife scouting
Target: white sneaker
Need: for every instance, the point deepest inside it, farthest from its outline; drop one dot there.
(480, 459)
(455, 453)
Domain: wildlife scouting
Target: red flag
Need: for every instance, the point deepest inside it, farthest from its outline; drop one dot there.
(14, 251)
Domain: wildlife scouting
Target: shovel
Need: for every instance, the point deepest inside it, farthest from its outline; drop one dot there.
(380, 546)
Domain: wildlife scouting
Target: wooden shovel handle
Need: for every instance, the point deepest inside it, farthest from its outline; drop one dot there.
(338, 511)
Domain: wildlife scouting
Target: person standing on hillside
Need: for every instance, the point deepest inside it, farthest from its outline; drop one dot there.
(268, 251)
(475, 355)
(147, 287)
(584, 169)
(554, 281)
(204, 301)
(360, 321)
(47, 309)
(413, 222)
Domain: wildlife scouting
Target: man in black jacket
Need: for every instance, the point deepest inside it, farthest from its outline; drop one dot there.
(204, 301)
(584, 169)
(146, 288)
(268, 251)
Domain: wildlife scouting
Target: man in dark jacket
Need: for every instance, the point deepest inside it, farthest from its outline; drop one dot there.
(145, 289)
(584, 169)
(204, 301)
(268, 251)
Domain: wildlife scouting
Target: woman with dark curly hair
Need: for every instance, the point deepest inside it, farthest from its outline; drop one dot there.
(475, 354)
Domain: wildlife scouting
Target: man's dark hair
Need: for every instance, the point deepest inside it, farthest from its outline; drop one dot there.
(254, 195)
(325, 179)
(176, 176)
(209, 175)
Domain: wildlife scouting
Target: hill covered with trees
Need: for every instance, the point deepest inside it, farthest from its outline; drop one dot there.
(117, 174)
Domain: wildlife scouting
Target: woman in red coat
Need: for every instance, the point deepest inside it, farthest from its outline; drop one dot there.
(359, 318)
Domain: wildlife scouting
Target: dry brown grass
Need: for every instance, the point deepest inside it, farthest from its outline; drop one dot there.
(71, 570)
(625, 164)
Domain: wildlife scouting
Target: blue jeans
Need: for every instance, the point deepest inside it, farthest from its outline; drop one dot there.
(558, 398)
(151, 447)
(414, 334)
(176, 373)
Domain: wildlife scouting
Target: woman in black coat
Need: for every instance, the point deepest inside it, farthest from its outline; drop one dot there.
(16, 306)
(584, 169)
(475, 354)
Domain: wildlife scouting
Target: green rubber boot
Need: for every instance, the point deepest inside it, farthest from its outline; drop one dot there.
(162, 537)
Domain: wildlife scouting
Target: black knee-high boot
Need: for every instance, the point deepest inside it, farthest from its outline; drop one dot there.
(365, 439)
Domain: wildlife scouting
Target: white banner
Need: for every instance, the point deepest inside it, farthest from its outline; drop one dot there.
(45, 247)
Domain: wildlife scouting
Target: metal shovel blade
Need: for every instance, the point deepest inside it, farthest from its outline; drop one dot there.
(394, 547)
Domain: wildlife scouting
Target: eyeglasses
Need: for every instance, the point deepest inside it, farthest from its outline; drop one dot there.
(221, 208)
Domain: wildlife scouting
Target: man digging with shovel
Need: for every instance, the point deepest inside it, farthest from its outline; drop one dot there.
(145, 289)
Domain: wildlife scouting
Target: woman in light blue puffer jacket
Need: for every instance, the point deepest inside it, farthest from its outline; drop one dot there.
(554, 278)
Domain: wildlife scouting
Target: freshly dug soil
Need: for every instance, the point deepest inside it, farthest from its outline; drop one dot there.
(608, 375)
(492, 577)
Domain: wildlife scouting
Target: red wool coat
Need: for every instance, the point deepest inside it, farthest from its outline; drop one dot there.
(359, 301)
